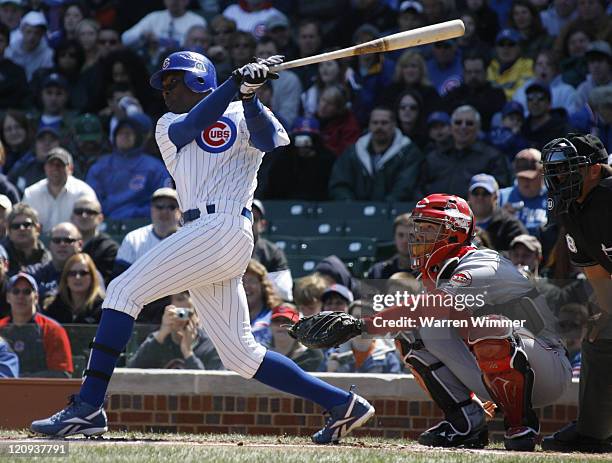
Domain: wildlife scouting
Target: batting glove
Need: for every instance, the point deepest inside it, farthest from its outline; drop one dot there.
(274, 60)
(252, 76)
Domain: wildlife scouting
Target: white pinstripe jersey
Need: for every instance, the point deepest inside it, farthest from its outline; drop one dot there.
(218, 167)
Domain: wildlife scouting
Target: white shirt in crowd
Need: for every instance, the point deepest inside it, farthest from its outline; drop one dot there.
(136, 243)
(162, 25)
(52, 211)
(250, 21)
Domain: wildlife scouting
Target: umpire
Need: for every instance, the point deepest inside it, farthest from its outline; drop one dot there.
(579, 182)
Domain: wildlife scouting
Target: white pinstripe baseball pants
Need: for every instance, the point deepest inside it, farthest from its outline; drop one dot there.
(207, 257)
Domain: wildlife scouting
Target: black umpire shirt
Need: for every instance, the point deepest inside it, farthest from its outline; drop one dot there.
(589, 228)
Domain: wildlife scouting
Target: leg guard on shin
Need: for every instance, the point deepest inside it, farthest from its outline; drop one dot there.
(99, 373)
(507, 375)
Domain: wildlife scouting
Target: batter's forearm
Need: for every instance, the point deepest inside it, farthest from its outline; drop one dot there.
(185, 129)
(260, 125)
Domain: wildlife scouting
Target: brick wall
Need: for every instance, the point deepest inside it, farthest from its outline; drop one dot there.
(401, 410)
(277, 416)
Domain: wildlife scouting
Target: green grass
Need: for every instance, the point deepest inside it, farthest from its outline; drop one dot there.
(183, 448)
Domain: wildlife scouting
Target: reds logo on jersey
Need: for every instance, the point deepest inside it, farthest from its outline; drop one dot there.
(461, 279)
(218, 137)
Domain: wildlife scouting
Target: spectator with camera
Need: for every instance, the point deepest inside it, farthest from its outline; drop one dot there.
(180, 343)
(41, 343)
(80, 293)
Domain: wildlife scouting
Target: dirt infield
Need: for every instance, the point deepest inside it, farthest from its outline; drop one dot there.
(169, 448)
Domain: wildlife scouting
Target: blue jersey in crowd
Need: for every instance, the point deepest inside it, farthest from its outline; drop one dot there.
(125, 182)
(532, 212)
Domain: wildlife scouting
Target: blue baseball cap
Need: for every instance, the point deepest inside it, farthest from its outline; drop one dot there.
(3, 253)
(511, 35)
(485, 181)
(513, 107)
(48, 129)
(30, 279)
(306, 125)
(539, 86)
(438, 117)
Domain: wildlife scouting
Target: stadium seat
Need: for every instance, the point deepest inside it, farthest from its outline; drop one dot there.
(290, 245)
(352, 210)
(344, 248)
(287, 209)
(124, 226)
(306, 227)
(302, 266)
(401, 208)
(382, 230)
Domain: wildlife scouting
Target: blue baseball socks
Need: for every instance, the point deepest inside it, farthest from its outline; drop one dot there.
(282, 373)
(113, 334)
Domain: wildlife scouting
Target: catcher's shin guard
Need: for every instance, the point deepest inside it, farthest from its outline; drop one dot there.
(464, 423)
(509, 379)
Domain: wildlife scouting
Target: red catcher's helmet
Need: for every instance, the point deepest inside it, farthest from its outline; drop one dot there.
(441, 225)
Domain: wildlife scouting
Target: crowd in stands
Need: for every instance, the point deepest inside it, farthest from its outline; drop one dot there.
(467, 116)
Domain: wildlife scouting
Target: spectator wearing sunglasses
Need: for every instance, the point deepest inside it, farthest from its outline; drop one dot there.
(54, 196)
(40, 342)
(23, 245)
(87, 217)
(135, 174)
(543, 123)
(450, 168)
(65, 241)
(165, 218)
(80, 292)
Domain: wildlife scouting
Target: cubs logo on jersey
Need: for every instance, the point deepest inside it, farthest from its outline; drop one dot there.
(218, 137)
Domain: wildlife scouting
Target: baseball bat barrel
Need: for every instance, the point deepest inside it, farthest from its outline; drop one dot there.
(413, 38)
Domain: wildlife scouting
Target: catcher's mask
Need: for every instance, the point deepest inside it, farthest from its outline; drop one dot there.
(439, 226)
(564, 160)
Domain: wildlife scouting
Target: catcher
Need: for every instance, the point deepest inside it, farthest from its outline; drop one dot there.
(517, 368)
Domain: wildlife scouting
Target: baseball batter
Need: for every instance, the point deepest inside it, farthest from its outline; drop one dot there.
(212, 147)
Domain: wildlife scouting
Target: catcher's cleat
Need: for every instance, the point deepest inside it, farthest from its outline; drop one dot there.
(343, 419)
(567, 439)
(445, 435)
(77, 418)
(522, 439)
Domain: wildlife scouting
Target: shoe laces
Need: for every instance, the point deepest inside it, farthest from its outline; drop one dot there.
(72, 399)
(330, 418)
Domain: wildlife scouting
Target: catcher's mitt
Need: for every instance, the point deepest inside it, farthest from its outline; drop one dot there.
(326, 329)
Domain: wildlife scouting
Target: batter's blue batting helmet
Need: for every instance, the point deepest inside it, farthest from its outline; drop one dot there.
(200, 75)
